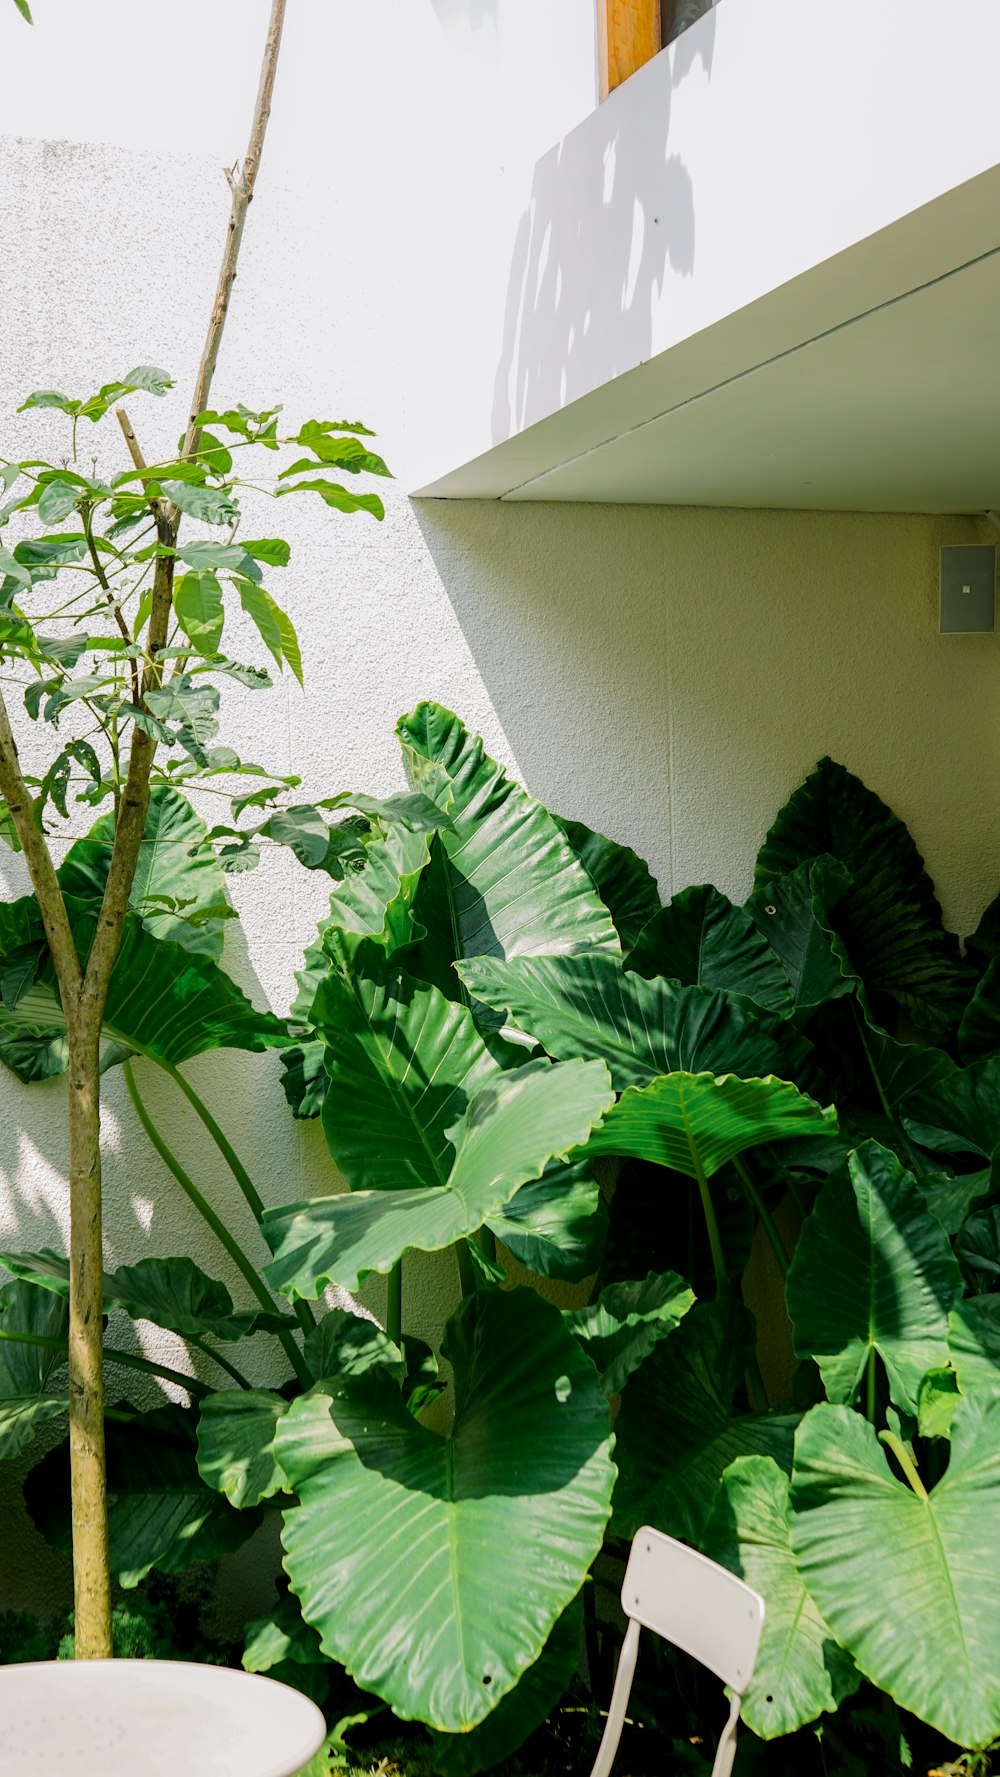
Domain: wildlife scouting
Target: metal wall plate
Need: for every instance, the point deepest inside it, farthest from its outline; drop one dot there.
(968, 590)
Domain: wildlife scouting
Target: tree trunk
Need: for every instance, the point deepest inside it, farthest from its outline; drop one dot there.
(91, 1576)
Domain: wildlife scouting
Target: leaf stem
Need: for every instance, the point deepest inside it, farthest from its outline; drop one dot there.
(303, 1313)
(217, 1226)
(764, 1215)
(112, 1355)
(906, 1463)
(466, 1274)
(870, 1402)
(217, 1358)
(712, 1228)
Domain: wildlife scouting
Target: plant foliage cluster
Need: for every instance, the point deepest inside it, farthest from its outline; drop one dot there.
(495, 1005)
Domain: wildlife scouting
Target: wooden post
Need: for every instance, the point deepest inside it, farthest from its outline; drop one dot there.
(628, 34)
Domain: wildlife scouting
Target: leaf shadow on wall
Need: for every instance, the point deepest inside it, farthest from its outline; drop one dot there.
(580, 296)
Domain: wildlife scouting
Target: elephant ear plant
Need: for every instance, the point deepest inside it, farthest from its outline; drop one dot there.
(495, 1006)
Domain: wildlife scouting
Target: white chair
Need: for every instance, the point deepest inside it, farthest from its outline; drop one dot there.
(699, 1607)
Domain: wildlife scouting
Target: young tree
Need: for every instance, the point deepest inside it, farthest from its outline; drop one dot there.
(132, 670)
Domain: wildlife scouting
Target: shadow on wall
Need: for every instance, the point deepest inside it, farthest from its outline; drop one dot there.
(475, 13)
(585, 275)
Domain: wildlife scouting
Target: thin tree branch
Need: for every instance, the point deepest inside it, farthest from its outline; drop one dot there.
(241, 184)
(41, 868)
(136, 454)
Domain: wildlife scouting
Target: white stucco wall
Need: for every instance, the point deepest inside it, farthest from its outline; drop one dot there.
(668, 676)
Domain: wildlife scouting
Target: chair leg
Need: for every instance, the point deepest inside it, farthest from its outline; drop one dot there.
(619, 1703)
(726, 1752)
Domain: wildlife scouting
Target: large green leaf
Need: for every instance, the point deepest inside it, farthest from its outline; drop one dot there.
(701, 940)
(26, 1400)
(623, 880)
(627, 1321)
(909, 1585)
(179, 888)
(889, 918)
(163, 1001)
(236, 1439)
(696, 1123)
(511, 884)
(676, 1433)
(510, 1131)
(435, 1568)
(521, 1711)
(794, 915)
(403, 1061)
(589, 1005)
(160, 1512)
(345, 1344)
(173, 1293)
(873, 1272)
(800, 1671)
(974, 1344)
(979, 1031)
(556, 1225)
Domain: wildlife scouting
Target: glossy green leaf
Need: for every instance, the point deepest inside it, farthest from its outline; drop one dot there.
(676, 1432)
(908, 1585)
(801, 1672)
(236, 1444)
(696, 1123)
(588, 1005)
(978, 1245)
(332, 494)
(512, 1128)
(623, 880)
(979, 1031)
(937, 1399)
(889, 918)
(556, 1225)
(160, 1512)
(627, 1321)
(793, 914)
(873, 1272)
(58, 498)
(26, 1398)
(345, 1344)
(280, 1636)
(974, 1343)
(458, 1521)
(212, 505)
(521, 1711)
(178, 890)
(511, 884)
(199, 610)
(702, 940)
(172, 1293)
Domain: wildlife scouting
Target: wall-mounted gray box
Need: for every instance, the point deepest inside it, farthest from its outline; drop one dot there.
(968, 590)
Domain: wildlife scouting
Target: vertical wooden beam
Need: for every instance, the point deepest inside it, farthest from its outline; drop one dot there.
(628, 34)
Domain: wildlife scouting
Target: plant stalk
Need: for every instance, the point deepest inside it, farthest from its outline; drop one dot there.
(712, 1228)
(129, 1359)
(764, 1215)
(906, 1463)
(215, 1222)
(466, 1274)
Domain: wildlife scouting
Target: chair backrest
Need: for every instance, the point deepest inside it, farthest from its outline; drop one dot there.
(701, 1607)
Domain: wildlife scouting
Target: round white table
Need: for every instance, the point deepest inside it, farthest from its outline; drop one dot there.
(151, 1718)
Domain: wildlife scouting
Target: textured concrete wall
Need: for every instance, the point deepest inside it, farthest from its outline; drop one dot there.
(668, 676)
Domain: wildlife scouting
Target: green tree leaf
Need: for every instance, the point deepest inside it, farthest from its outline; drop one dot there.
(199, 610)
(509, 1132)
(889, 918)
(974, 1344)
(26, 1400)
(907, 1584)
(873, 1272)
(979, 1031)
(794, 915)
(696, 1123)
(556, 1225)
(344, 1344)
(458, 1520)
(627, 1321)
(213, 505)
(800, 1672)
(332, 494)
